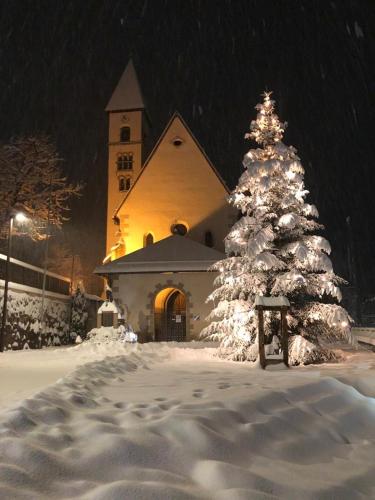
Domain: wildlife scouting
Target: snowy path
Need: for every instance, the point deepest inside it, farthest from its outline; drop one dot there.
(22, 373)
(168, 423)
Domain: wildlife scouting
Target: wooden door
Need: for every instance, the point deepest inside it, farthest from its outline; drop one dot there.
(171, 323)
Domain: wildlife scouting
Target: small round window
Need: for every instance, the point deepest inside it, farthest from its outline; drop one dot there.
(179, 229)
(177, 141)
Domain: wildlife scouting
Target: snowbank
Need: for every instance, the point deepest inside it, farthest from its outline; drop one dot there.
(103, 335)
(158, 421)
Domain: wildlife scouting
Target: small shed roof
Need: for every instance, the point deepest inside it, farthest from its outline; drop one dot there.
(279, 301)
(108, 306)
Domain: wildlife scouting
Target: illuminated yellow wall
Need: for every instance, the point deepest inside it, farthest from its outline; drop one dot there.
(133, 119)
(176, 185)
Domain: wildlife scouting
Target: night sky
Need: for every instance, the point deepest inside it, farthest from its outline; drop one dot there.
(210, 60)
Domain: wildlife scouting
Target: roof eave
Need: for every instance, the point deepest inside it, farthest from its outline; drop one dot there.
(154, 267)
(109, 109)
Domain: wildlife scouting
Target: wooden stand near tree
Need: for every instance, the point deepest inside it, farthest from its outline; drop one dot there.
(282, 305)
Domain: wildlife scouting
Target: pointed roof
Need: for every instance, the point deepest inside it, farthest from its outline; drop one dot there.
(176, 115)
(173, 254)
(127, 94)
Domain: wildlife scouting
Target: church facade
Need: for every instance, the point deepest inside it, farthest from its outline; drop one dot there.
(167, 217)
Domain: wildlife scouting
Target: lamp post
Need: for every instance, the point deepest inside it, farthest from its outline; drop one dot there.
(45, 263)
(20, 217)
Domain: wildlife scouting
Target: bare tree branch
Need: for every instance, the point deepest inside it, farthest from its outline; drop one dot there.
(31, 181)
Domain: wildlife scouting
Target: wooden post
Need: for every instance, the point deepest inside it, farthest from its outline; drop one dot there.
(115, 320)
(262, 357)
(284, 336)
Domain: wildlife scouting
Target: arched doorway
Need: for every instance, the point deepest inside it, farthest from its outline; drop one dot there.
(170, 315)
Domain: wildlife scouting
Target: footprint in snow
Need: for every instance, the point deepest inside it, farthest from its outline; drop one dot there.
(224, 386)
(139, 414)
(120, 404)
(198, 393)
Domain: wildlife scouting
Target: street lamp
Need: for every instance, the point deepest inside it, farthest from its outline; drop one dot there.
(19, 217)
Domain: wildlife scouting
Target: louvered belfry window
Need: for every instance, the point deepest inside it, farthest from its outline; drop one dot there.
(125, 161)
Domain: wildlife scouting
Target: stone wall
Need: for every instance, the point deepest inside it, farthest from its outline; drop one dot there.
(136, 293)
(24, 328)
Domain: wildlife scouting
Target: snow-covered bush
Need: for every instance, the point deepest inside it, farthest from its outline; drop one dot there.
(109, 334)
(272, 250)
(24, 328)
(103, 335)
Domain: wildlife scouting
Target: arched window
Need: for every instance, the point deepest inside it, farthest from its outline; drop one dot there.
(121, 184)
(177, 141)
(179, 228)
(125, 161)
(208, 239)
(125, 134)
(124, 183)
(148, 240)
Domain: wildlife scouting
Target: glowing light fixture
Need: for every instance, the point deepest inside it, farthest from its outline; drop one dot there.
(20, 217)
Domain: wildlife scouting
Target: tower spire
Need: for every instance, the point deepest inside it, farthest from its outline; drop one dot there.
(127, 94)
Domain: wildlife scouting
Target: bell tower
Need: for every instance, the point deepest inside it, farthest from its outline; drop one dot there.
(127, 130)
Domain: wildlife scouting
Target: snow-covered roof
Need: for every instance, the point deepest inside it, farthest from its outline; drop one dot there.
(271, 301)
(108, 306)
(127, 94)
(173, 254)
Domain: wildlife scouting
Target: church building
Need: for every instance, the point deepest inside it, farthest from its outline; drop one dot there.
(167, 217)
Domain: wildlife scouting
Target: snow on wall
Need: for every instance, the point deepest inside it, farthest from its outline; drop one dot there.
(24, 328)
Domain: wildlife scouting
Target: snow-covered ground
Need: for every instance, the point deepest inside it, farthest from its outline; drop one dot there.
(159, 421)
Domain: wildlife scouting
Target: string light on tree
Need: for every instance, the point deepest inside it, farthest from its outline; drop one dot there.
(271, 250)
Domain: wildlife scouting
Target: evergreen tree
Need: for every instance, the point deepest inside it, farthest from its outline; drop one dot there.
(79, 315)
(271, 250)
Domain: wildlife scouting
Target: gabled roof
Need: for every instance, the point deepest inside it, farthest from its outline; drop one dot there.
(127, 94)
(173, 254)
(175, 115)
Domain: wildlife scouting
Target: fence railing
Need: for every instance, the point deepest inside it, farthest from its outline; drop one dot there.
(363, 334)
(29, 275)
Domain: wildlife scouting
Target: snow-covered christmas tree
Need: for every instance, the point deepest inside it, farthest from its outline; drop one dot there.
(272, 250)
